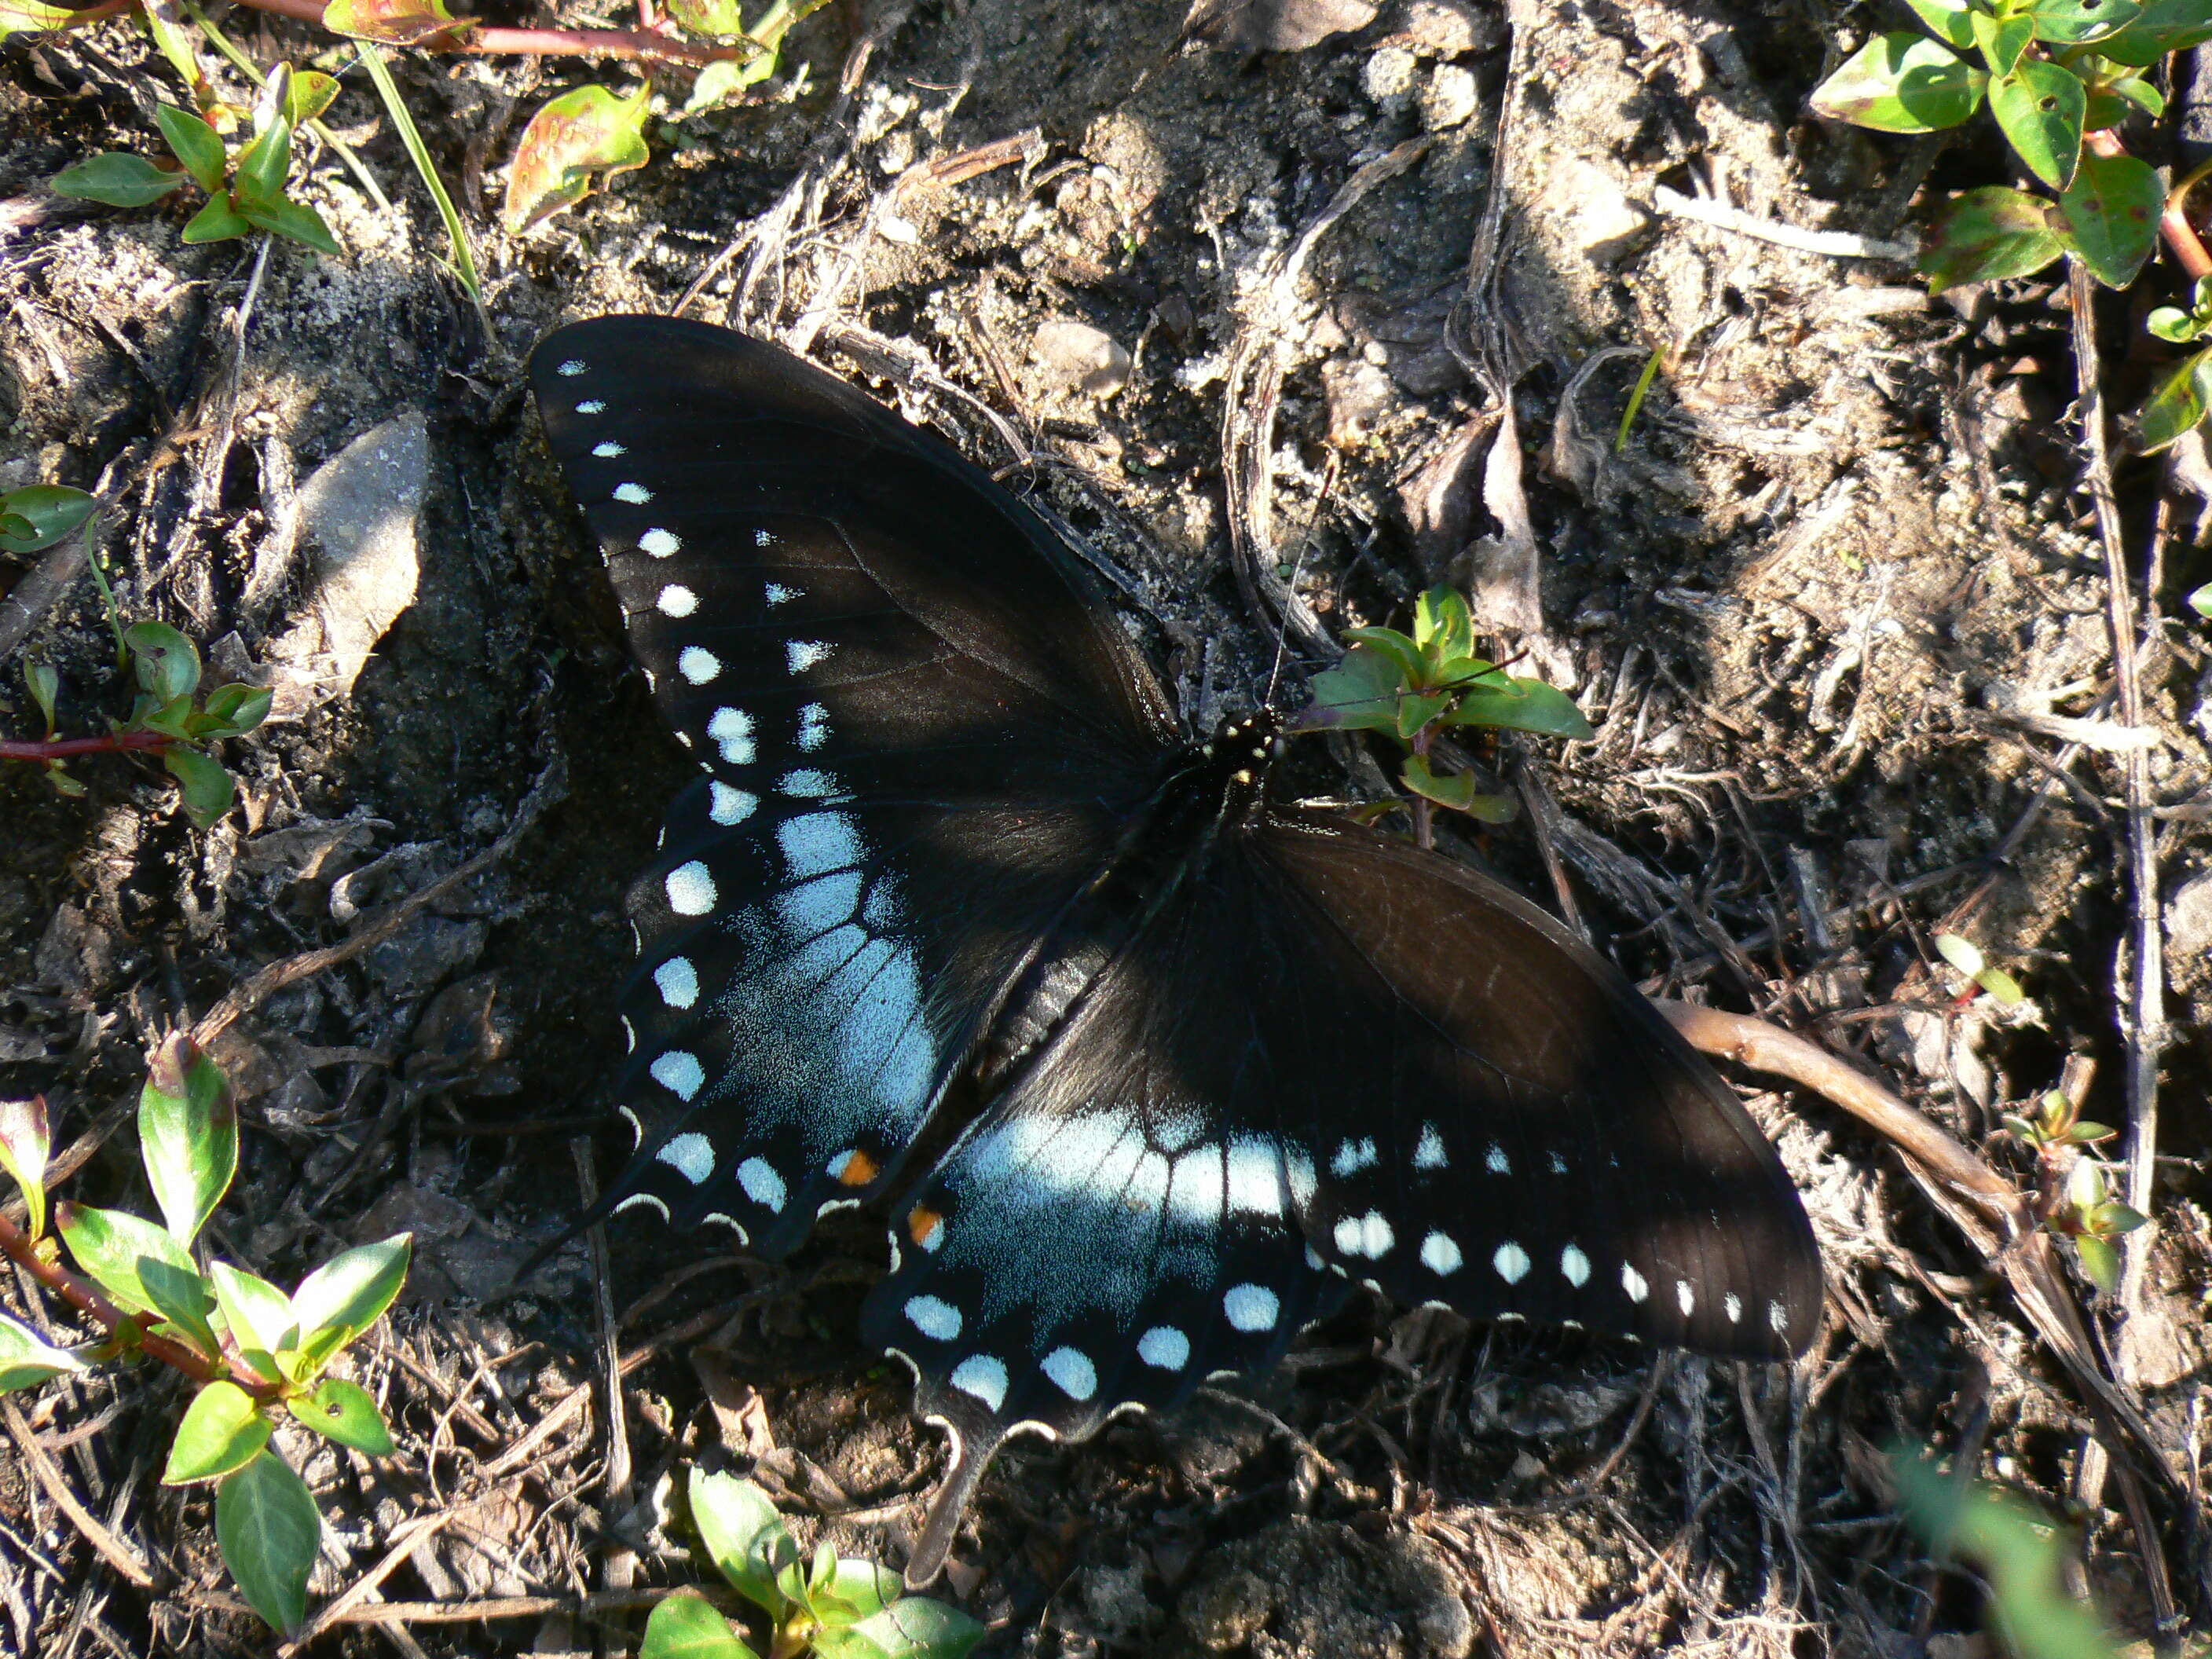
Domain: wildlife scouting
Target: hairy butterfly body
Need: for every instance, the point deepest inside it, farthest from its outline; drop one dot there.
(1231, 1057)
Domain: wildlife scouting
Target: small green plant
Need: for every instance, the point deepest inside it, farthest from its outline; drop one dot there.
(2051, 72)
(2183, 396)
(1414, 688)
(255, 1351)
(2074, 1199)
(1966, 956)
(2018, 1552)
(245, 194)
(168, 717)
(838, 1608)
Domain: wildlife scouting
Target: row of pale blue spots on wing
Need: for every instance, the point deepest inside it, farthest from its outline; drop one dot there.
(1061, 1265)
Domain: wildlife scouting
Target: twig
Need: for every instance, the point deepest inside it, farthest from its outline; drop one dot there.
(110, 1548)
(1837, 244)
(551, 785)
(411, 1534)
(618, 1570)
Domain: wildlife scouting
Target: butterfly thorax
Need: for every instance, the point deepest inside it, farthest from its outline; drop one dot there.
(1166, 844)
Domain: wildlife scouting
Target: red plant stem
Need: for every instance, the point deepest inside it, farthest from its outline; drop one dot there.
(94, 1306)
(61, 747)
(626, 44)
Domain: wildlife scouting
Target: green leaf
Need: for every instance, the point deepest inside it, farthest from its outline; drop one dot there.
(1361, 693)
(196, 145)
(913, 1627)
(168, 664)
(312, 92)
(1986, 234)
(2000, 986)
(1953, 20)
(348, 1294)
(1961, 953)
(25, 1141)
(181, 1296)
(1522, 705)
(206, 790)
(266, 1523)
(1398, 648)
(725, 78)
(2115, 1218)
(395, 23)
(346, 1413)
(2002, 40)
(2172, 324)
(295, 221)
(234, 710)
(48, 513)
(187, 1135)
(32, 17)
(2178, 404)
(218, 222)
(2109, 215)
(109, 1244)
(1902, 82)
(721, 19)
(2160, 27)
(256, 1314)
(2100, 1262)
(2089, 1134)
(844, 1592)
(261, 170)
(2085, 1186)
(222, 1429)
(2020, 1554)
(2041, 106)
(1457, 792)
(687, 1626)
(2200, 600)
(1443, 628)
(27, 1360)
(44, 682)
(745, 1538)
(2076, 22)
(117, 177)
(1417, 708)
(2138, 91)
(578, 139)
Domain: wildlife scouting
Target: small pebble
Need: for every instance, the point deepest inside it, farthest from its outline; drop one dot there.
(1388, 76)
(1088, 359)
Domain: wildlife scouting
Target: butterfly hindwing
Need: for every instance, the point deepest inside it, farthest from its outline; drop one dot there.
(1514, 1131)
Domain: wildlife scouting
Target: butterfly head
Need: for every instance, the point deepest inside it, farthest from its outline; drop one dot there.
(1245, 748)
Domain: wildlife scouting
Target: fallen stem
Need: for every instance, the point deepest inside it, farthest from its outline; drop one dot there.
(53, 749)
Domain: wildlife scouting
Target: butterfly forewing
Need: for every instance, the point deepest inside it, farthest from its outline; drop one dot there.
(919, 731)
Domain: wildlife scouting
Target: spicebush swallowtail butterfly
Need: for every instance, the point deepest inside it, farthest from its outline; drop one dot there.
(1231, 1057)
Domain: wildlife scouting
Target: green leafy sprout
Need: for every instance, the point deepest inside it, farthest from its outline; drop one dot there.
(246, 194)
(255, 1351)
(1415, 688)
(169, 716)
(2073, 1198)
(838, 1609)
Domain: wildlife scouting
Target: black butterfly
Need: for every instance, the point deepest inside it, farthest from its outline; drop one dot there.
(1231, 1057)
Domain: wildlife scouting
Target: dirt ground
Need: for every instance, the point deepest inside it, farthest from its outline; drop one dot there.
(1835, 610)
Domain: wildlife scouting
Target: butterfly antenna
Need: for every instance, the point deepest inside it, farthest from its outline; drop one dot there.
(1283, 626)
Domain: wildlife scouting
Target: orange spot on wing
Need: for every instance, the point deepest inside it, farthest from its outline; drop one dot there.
(859, 1170)
(922, 1221)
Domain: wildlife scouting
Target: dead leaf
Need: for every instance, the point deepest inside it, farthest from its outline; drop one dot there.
(1273, 25)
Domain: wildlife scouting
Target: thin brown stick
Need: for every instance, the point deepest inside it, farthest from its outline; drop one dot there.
(110, 1548)
(648, 46)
